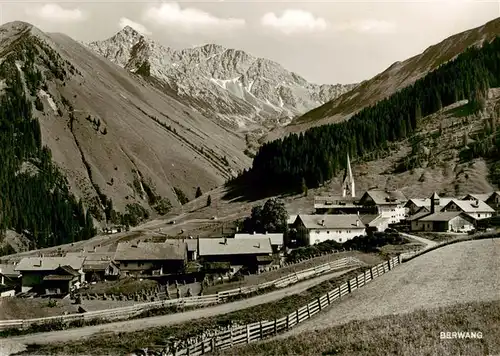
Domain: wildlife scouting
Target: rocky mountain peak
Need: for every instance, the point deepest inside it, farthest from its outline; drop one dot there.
(230, 85)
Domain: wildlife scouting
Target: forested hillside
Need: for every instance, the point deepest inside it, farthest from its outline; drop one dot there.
(312, 157)
(34, 197)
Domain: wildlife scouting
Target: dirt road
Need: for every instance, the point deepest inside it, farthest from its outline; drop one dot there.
(459, 273)
(15, 344)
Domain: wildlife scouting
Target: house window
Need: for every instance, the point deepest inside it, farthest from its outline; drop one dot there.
(328, 232)
(125, 264)
(140, 264)
(340, 239)
(317, 231)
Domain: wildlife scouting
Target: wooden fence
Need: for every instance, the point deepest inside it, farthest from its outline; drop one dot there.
(220, 297)
(264, 329)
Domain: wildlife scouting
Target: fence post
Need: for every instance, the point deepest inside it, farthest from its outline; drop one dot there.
(389, 264)
(297, 314)
(275, 327)
(213, 343)
(248, 334)
(340, 292)
(399, 259)
(328, 298)
(231, 335)
(261, 331)
(371, 272)
(288, 321)
(308, 312)
(349, 286)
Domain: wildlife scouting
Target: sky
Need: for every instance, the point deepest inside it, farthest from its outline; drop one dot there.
(326, 42)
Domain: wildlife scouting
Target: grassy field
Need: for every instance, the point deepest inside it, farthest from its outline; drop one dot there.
(20, 308)
(458, 273)
(122, 343)
(368, 258)
(125, 286)
(416, 333)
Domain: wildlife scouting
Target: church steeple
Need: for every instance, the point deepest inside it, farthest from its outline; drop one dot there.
(348, 183)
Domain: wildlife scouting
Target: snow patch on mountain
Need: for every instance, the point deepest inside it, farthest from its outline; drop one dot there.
(226, 84)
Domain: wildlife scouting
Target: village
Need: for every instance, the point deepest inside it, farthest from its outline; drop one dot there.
(335, 218)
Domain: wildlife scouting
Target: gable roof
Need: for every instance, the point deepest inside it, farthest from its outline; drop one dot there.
(8, 270)
(418, 216)
(276, 238)
(49, 263)
(67, 270)
(385, 197)
(421, 203)
(341, 221)
(470, 206)
(480, 197)
(216, 246)
(445, 216)
(151, 251)
(322, 202)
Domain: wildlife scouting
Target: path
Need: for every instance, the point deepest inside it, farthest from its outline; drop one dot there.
(428, 244)
(15, 344)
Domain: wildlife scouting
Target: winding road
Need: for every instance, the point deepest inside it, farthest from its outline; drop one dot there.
(11, 345)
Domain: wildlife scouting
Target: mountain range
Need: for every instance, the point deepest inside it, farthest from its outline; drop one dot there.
(399, 75)
(136, 127)
(240, 91)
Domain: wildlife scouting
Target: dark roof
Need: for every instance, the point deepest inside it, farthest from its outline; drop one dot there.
(367, 219)
(384, 197)
(151, 251)
(442, 216)
(418, 216)
(67, 270)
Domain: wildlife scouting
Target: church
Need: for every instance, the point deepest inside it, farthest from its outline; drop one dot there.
(387, 205)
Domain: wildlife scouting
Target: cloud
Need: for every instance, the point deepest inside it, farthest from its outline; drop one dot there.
(190, 19)
(367, 26)
(56, 13)
(294, 21)
(124, 22)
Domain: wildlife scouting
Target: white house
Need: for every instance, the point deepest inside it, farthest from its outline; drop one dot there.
(339, 228)
(475, 208)
(451, 221)
(390, 204)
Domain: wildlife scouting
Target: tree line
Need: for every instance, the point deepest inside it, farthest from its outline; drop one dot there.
(34, 197)
(316, 155)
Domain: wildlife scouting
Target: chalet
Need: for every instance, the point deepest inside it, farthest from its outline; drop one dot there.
(339, 228)
(34, 271)
(62, 280)
(277, 240)
(98, 266)
(494, 201)
(452, 221)
(168, 257)
(389, 204)
(253, 253)
(414, 206)
(477, 209)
